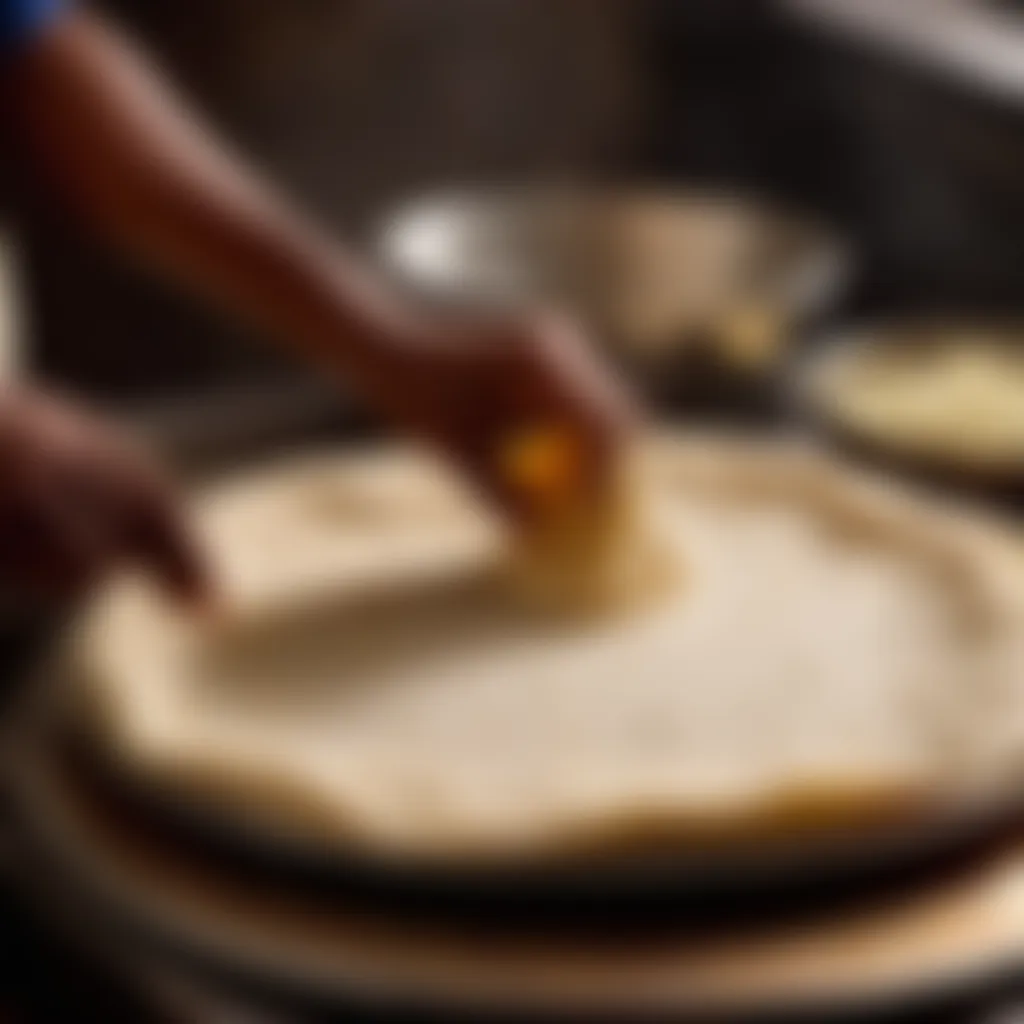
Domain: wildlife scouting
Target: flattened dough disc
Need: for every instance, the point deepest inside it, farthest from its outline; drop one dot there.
(839, 657)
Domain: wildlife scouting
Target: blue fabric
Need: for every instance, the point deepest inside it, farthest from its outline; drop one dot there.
(22, 20)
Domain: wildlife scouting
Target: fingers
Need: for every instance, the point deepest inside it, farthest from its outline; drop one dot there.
(132, 514)
(546, 464)
(157, 535)
(570, 408)
(580, 380)
(483, 465)
(76, 504)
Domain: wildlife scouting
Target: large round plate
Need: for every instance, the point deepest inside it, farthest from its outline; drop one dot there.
(712, 877)
(924, 943)
(736, 882)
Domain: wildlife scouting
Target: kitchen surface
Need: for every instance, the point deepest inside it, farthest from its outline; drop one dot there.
(710, 712)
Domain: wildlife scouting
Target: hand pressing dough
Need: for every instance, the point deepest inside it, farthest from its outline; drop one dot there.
(835, 655)
(608, 554)
(586, 548)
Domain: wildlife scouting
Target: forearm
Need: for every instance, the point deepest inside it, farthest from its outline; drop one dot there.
(98, 119)
(148, 175)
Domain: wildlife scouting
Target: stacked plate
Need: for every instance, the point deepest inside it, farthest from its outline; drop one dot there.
(377, 785)
(937, 399)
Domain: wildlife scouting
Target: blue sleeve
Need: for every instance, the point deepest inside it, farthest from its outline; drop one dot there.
(22, 20)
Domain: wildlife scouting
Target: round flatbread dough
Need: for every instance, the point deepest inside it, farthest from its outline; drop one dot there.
(955, 401)
(835, 654)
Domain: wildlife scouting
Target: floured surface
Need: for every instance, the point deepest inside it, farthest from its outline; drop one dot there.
(833, 653)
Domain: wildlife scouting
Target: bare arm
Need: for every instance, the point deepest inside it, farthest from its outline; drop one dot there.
(144, 171)
(99, 121)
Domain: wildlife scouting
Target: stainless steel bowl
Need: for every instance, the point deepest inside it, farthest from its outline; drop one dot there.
(657, 275)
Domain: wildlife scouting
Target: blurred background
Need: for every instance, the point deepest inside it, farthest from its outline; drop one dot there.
(711, 184)
(897, 124)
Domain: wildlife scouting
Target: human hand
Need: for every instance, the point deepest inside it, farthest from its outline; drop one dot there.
(77, 499)
(472, 389)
